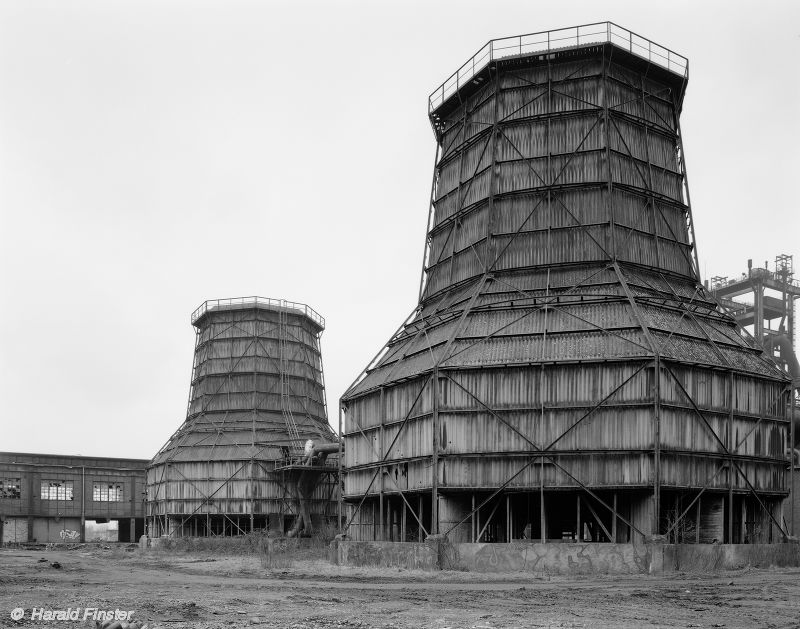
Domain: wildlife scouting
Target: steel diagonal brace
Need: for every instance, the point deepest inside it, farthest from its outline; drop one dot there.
(615, 107)
(645, 96)
(596, 497)
(492, 412)
(485, 526)
(694, 319)
(204, 408)
(575, 98)
(623, 246)
(450, 233)
(530, 295)
(555, 181)
(760, 419)
(544, 453)
(552, 460)
(508, 116)
(682, 246)
(388, 450)
(599, 521)
(566, 78)
(377, 456)
(654, 347)
(683, 315)
(410, 343)
(598, 405)
(199, 491)
(634, 159)
(725, 449)
(463, 197)
(225, 482)
(274, 476)
(548, 301)
(564, 311)
(696, 498)
(578, 223)
(457, 328)
(227, 517)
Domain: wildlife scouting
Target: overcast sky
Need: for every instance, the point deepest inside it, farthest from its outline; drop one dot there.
(157, 154)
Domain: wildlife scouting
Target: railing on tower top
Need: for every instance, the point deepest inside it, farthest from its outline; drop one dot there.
(243, 302)
(598, 33)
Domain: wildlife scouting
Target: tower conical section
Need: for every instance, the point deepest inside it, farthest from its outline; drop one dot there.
(256, 396)
(564, 361)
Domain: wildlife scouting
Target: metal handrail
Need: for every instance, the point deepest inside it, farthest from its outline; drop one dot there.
(213, 304)
(545, 41)
(756, 273)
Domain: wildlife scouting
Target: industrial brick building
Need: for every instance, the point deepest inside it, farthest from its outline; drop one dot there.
(50, 498)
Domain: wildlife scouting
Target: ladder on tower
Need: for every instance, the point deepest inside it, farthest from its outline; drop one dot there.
(283, 351)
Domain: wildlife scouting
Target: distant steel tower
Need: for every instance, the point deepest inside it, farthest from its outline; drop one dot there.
(565, 375)
(256, 396)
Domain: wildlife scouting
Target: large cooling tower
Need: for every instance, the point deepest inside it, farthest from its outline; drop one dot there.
(565, 375)
(256, 396)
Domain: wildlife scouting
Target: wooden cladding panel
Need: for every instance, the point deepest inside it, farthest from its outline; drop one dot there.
(553, 407)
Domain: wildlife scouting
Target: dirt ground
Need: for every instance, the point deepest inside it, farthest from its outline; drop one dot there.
(204, 591)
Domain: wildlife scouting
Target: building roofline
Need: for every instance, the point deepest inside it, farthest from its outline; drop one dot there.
(558, 40)
(11, 455)
(261, 303)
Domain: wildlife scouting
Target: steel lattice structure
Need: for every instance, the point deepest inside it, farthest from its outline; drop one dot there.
(256, 395)
(565, 374)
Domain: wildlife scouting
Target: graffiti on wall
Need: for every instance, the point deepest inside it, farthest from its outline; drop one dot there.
(68, 534)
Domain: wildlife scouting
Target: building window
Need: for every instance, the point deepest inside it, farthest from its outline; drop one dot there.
(56, 490)
(107, 492)
(9, 488)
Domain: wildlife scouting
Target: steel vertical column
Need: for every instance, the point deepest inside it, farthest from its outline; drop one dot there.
(339, 476)
(381, 522)
(791, 454)
(83, 502)
(656, 529)
(421, 518)
(730, 445)
(542, 518)
(435, 456)
(614, 519)
(758, 312)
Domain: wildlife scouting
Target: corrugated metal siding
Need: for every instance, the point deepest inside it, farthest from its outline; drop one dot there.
(606, 428)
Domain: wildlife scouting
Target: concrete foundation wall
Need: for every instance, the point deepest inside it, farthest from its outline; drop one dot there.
(558, 558)
(410, 555)
(716, 557)
(564, 559)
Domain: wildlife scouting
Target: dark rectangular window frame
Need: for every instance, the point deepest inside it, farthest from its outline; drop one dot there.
(10, 488)
(103, 491)
(56, 490)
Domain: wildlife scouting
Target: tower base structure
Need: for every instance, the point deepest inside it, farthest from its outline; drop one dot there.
(577, 516)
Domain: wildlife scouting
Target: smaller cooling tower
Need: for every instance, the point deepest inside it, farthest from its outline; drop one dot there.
(257, 395)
